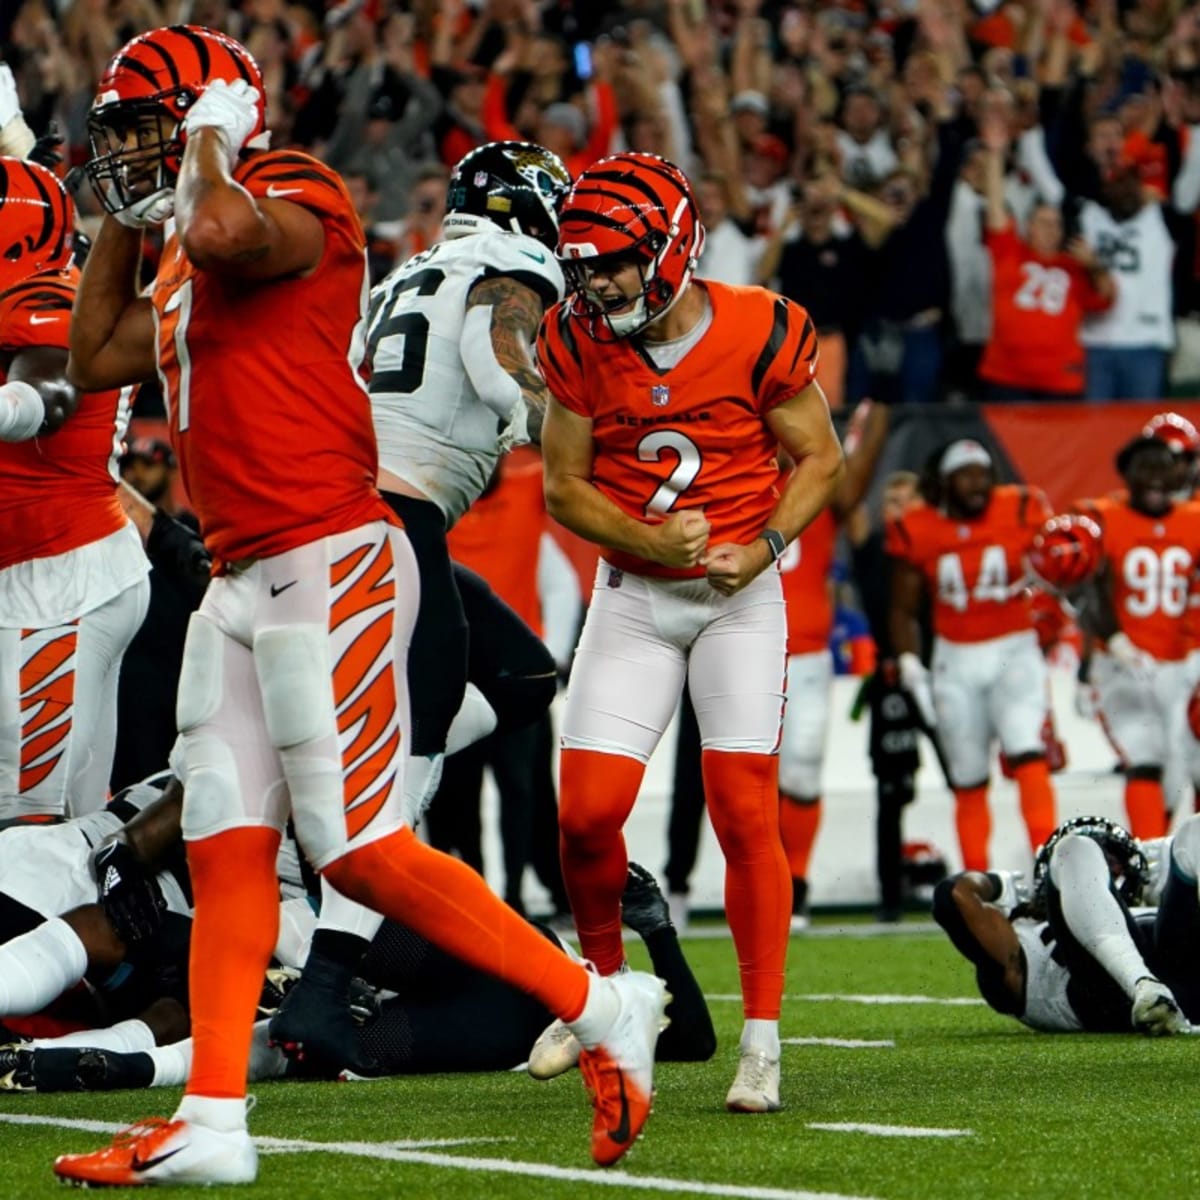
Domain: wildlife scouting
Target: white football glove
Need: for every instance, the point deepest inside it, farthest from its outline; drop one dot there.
(150, 210)
(228, 107)
(516, 432)
(914, 679)
(1123, 651)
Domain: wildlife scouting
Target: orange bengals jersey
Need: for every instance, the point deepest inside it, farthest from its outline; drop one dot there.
(500, 535)
(806, 565)
(1153, 562)
(973, 569)
(693, 435)
(57, 492)
(268, 412)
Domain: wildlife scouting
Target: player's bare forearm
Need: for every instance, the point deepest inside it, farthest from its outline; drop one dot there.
(804, 430)
(1094, 607)
(578, 505)
(515, 315)
(862, 461)
(112, 328)
(44, 368)
(903, 625)
(217, 220)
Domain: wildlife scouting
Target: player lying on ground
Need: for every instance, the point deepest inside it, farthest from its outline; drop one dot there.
(1079, 956)
(445, 1016)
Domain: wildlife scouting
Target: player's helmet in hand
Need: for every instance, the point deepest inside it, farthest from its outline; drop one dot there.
(1066, 551)
(36, 222)
(518, 186)
(135, 123)
(1128, 864)
(629, 207)
(1176, 431)
(1049, 619)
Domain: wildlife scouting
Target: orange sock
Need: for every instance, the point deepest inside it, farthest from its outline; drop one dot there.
(743, 802)
(236, 893)
(1146, 808)
(974, 824)
(1037, 800)
(799, 821)
(596, 795)
(445, 901)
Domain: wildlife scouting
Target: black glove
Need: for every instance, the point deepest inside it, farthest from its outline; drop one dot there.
(179, 553)
(128, 892)
(46, 150)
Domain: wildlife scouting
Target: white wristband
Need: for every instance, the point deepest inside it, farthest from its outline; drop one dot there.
(21, 412)
(16, 138)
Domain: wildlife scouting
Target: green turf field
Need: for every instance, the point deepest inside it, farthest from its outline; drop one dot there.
(1037, 1116)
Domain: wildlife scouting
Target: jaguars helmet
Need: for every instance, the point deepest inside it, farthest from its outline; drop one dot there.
(1126, 859)
(517, 186)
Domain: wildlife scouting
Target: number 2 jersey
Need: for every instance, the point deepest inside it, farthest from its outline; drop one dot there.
(66, 546)
(973, 568)
(692, 436)
(1153, 563)
(434, 431)
(268, 409)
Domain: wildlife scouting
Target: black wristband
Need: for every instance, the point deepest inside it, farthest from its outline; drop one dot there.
(776, 543)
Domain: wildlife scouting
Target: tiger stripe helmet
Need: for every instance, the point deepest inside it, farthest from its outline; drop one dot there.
(1176, 431)
(626, 207)
(135, 123)
(1066, 551)
(36, 222)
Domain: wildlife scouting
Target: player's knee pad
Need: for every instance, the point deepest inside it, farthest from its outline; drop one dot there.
(1078, 862)
(799, 778)
(206, 765)
(294, 676)
(198, 698)
(316, 786)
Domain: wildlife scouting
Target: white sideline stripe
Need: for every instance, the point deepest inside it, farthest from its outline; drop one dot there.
(908, 1131)
(841, 1043)
(394, 1152)
(824, 997)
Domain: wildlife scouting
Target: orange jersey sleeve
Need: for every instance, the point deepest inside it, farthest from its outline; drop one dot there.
(973, 569)
(805, 566)
(37, 312)
(301, 179)
(693, 435)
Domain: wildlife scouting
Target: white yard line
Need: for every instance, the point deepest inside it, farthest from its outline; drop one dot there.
(841, 1043)
(831, 998)
(397, 1152)
(895, 1131)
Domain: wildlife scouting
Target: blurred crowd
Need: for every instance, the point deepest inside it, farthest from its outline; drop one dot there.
(973, 199)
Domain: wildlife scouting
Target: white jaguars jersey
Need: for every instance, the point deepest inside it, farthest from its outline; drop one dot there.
(433, 430)
(1138, 253)
(1046, 1005)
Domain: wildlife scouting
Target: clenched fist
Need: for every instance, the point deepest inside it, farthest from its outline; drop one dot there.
(682, 538)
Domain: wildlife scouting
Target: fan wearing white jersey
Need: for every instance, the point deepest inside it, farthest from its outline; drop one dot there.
(1106, 944)
(453, 385)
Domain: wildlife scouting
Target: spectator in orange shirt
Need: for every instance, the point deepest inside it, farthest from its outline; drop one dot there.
(1040, 293)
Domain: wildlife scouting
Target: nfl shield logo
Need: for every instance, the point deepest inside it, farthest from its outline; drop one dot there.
(481, 178)
(659, 395)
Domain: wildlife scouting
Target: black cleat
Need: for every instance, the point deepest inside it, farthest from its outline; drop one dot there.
(88, 1070)
(643, 906)
(16, 1068)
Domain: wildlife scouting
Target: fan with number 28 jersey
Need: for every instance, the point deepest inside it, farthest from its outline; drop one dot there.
(973, 569)
(272, 467)
(699, 442)
(433, 429)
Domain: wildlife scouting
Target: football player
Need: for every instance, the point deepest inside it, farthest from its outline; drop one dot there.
(293, 695)
(1137, 610)
(964, 547)
(1074, 958)
(670, 396)
(73, 577)
(449, 342)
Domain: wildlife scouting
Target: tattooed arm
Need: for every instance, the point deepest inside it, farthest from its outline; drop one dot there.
(501, 323)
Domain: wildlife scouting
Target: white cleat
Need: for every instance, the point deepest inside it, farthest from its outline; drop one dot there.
(1156, 1012)
(556, 1051)
(756, 1085)
(164, 1152)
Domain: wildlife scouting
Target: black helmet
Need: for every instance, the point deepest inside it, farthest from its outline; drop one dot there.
(517, 186)
(1122, 850)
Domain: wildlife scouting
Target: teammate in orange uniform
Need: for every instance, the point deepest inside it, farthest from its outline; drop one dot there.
(73, 586)
(806, 590)
(293, 692)
(1139, 608)
(669, 398)
(964, 547)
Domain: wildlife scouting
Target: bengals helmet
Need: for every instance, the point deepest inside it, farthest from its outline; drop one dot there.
(36, 222)
(1126, 860)
(1177, 431)
(135, 123)
(1066, 552)
(518, 186)
(627, 207)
